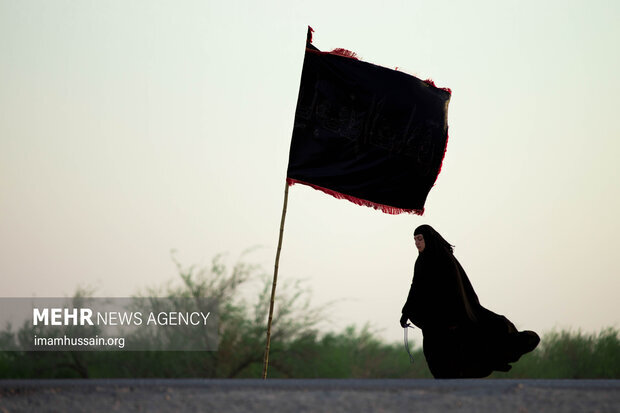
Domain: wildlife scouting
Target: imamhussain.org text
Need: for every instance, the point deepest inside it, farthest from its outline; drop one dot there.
(66, 341)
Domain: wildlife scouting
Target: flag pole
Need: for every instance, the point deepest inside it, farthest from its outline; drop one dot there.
(275, 279)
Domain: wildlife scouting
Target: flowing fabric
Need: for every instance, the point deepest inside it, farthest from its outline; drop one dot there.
(365, 133)
(461, 337)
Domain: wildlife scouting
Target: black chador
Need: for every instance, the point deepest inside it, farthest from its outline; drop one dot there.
(462, 339)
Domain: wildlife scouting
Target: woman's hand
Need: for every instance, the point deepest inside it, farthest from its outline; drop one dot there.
(403, 321)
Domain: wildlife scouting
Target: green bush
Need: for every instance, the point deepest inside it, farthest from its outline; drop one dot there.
(298, 350)
(571, 355)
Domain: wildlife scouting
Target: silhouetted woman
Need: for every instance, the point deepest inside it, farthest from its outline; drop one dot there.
(461, 338)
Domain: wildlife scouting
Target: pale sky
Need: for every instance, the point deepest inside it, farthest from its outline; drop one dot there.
(128, 129)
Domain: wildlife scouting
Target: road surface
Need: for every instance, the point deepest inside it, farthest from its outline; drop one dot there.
(314, 395)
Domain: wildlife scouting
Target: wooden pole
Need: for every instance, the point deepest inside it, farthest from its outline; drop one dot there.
(275, 279)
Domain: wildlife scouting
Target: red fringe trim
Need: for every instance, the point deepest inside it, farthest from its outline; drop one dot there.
(338, 195)
(344, 53)
(431, 83)
(336, 52)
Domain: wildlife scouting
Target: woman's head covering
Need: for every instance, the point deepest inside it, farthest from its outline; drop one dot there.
(433, 241)
(438, 255)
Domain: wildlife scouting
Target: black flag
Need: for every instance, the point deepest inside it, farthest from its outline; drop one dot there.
(362, 132)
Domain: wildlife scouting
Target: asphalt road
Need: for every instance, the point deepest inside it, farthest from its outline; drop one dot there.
(315, 395)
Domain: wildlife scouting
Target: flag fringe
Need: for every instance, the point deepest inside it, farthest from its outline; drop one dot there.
(358, 201)
(430, 82)
(344, 53)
